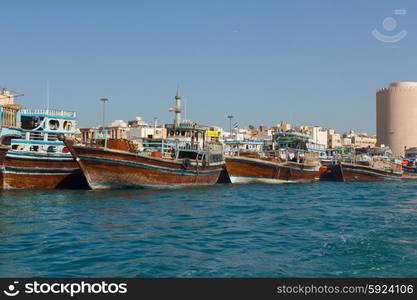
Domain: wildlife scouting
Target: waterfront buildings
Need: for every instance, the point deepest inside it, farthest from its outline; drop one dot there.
(9, 117)
(282, 127)
(359, 140)
(334, 140)
(318, 136)
(396, 121)
(138, 129)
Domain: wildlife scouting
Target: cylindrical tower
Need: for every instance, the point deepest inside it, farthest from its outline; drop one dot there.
(396, 116)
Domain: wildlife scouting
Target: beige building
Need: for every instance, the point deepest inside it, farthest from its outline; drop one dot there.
(360, 140)
(346, 141)
(334, 140)
(6, 97)
(396, 121)
(117, 130)
(303, 128)
(261, 133)
(282, 127)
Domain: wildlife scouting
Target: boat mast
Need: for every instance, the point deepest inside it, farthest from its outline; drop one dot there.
(47, 96)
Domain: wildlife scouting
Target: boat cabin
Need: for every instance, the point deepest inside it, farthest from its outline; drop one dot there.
(40, 130)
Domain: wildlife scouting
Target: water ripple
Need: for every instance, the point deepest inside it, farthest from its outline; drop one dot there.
(328, 229)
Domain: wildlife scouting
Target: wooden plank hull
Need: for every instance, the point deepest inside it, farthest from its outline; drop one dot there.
(351, 172)
(248, 170)
(3, 152)
(409, 172)
(110, 169)
(30, 171)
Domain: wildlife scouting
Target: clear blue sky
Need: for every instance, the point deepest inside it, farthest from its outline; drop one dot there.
(306, 62)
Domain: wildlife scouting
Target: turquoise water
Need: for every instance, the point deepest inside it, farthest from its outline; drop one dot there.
(325, 229)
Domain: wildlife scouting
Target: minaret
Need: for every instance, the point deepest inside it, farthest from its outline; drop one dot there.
(177, 108)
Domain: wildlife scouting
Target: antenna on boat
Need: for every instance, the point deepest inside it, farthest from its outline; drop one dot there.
(47, 96)
(104, 100)
(185, 108)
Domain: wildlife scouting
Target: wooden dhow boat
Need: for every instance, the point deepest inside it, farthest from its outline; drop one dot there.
(187, 158)
(355, 172)
(364, 164)
(37, 159)
(287, 160)
(30, 154)
(288, 166)
(409, 163)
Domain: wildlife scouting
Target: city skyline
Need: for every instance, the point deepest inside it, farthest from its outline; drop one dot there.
(259, 62)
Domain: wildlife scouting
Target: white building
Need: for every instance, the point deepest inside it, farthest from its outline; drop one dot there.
(318, 136)
(139, 129)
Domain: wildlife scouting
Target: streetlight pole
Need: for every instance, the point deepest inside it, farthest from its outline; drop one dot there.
(104, 100)
(230, 117)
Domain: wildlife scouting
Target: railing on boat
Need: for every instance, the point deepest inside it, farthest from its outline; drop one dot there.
(39, 136)
(376, 162)
(51, 112)
(167, 148)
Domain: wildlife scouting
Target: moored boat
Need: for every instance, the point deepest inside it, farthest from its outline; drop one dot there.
(189, 156)
(355, 172)
(243, 169)
(179, 164)
(287, 161)
(365, 164)
(38, 160)
(409, 163)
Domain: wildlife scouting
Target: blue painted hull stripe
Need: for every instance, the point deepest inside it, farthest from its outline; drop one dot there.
(37, 156)
(21, 141)
(39, 172)
(143, 166)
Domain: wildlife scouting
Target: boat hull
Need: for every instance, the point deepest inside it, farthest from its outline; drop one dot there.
(409, 172)
(252, 170)
(351, 172)
(33, 171)
(3, 152)
(112, 169)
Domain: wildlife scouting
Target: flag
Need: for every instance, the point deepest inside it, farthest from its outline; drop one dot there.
(236, 125)
(174, 108)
